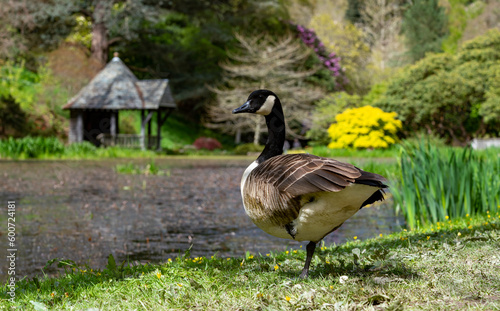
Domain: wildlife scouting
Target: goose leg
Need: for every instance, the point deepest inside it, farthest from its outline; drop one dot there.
(310, 251)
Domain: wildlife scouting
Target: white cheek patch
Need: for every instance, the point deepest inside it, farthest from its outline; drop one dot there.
(267, 107)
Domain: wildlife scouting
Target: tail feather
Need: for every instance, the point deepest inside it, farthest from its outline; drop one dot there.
(371, 179)
(374, 180)
(377, 196)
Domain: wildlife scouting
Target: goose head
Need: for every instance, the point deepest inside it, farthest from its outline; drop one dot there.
(260, 102)
(267, 104)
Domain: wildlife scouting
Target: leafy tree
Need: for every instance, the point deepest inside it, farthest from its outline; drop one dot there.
(264, 63)
(457, 21)
(42, 25)
(348, 42)
(177, 48)
(452, 96)
(336, 79)
(425, 28)
(29, 27)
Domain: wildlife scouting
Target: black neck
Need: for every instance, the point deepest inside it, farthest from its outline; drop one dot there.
(276, 129)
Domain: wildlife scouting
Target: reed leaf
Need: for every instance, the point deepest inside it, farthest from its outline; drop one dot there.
(440, 183)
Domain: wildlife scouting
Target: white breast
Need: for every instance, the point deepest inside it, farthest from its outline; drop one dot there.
(329, 210)
(247, 172)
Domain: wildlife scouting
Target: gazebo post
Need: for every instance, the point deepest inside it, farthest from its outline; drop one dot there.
(144, 120)
(79, 127)
(143, 147)
(149, 131)
(112, 127)
(117, 123)
(158, 129)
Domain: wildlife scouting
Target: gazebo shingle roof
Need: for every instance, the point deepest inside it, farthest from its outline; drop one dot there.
(116, 88)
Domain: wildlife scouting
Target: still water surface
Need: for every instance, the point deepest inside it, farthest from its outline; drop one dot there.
(85, 210)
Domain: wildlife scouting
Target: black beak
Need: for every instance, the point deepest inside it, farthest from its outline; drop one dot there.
(244, 108)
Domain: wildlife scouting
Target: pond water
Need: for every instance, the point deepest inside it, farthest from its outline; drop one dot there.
(86, 210)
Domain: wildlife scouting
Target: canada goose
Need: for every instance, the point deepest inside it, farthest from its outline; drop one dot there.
(300, 196)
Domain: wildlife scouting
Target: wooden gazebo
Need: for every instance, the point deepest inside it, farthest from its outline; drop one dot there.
(94, 110)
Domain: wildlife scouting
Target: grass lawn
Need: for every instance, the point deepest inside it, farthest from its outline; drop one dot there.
(448, 266)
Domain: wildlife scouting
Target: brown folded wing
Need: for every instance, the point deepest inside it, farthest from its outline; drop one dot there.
(299, 174)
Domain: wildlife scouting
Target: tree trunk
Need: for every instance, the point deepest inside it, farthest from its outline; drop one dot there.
(256, 135)
(99, 45)
(237, 138)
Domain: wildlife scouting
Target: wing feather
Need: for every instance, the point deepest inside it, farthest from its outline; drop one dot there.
(299, 174)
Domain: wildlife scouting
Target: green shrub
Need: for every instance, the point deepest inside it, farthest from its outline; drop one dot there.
(39, 95)
(244, 149)
(453, 96)
(438, 184)
(14, 119)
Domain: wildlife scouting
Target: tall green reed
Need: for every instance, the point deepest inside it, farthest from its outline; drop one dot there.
(51, 147)
(437, 184)
(30, 147)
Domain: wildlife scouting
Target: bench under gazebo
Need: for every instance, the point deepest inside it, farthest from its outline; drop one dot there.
(94, 111)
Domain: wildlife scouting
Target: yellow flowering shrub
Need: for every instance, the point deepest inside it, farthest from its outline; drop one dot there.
(363, 128)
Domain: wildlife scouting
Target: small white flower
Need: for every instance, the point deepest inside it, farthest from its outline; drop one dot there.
(343, 279)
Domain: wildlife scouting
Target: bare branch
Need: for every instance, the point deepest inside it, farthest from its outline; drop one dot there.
(382, 24)
(264, 62)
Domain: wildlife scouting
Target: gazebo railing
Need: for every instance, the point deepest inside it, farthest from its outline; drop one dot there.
(128, 140)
